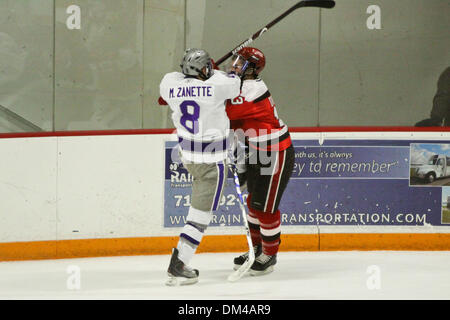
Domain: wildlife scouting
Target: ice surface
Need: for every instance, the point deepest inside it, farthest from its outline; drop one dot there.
(298, 275)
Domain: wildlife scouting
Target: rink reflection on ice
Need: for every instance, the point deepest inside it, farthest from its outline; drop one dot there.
(298, 275)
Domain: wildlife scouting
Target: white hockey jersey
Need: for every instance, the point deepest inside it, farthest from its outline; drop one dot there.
(198, 113)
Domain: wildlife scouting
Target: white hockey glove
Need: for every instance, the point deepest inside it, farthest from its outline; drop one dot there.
(239, 157)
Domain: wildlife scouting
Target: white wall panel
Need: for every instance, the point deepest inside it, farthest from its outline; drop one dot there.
(110, 186)
(27, 189)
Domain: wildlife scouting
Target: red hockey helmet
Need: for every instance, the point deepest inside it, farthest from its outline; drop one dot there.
(254, 56)
(247, 58)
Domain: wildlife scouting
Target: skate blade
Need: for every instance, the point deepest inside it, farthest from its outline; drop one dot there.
(180, 281)
(257, 273)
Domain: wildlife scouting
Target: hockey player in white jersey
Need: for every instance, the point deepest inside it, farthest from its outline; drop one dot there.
(197, 97)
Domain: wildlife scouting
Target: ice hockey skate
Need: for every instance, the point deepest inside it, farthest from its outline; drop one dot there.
(180, 274)
(263, 265)
(239, 261)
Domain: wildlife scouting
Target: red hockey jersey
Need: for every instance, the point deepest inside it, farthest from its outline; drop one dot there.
(254, 112)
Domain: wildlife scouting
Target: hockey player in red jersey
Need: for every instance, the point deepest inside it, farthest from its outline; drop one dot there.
(269, 157)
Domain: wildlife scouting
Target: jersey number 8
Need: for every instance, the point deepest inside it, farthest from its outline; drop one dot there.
(190, 117)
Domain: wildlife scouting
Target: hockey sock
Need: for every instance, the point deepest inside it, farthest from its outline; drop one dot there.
(270, 224)
(190, 238)
(253, 224)
(192, 233)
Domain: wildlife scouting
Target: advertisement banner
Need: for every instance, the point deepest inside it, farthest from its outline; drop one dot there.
(339, 183)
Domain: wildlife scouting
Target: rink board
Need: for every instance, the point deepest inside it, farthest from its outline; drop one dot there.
(77, 194)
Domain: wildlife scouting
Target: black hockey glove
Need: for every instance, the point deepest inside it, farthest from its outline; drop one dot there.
(242, 179)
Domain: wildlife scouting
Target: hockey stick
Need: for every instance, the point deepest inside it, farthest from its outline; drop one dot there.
(236, 275)
(327, 4)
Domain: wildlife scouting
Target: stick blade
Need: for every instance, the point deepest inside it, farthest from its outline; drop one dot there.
(239, 273)
(327, 4)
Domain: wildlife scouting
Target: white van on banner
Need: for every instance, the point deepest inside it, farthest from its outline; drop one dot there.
(430, 162)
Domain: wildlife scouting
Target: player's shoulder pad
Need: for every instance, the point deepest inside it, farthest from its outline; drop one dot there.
(220, 77)
(172, 76)
(253, 89)
(222, 74)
